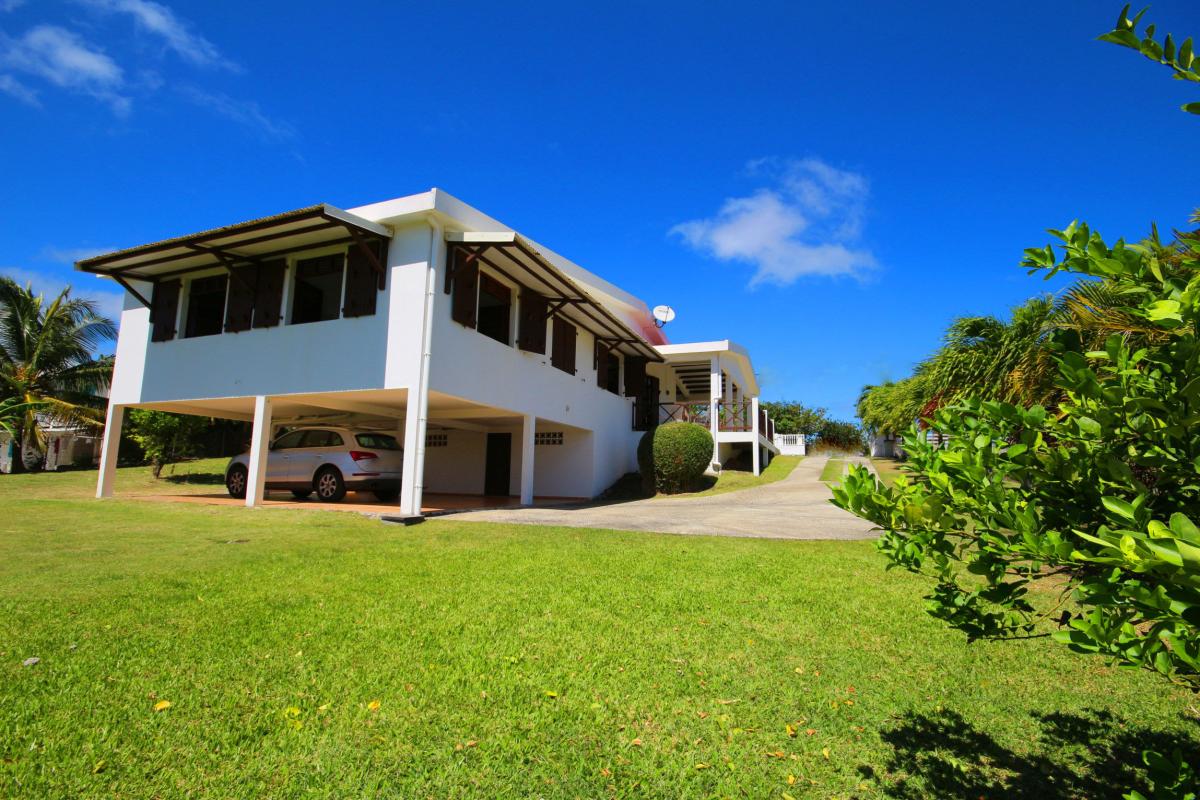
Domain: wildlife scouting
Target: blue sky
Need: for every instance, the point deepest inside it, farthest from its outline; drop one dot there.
(828, 184)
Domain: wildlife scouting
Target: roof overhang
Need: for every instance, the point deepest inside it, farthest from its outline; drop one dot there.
(515, 257)
(244, 243)
(691, 363)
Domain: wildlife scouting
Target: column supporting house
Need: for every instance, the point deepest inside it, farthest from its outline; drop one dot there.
(109, 450)
(528, 428)
(714, 415)
(260, 446)
(755, 436)
(416, 406)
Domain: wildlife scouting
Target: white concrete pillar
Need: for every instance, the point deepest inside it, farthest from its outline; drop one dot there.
(412, 483)
(528, 427)
(714, 415)
(756, 434)
(260, 447)
(108, 450)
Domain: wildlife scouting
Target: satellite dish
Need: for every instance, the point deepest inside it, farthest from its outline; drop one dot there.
(663, 315)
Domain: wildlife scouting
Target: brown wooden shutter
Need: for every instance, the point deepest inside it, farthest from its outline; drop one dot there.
(635, 375)
(268, 294)
(464, 303)
(600, 363)
(239, 310)
(164, 310)
(563, 349)
(362, 282)
(531, 336)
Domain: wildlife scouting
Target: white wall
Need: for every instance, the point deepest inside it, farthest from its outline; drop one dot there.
(372, 352)
(458, 467)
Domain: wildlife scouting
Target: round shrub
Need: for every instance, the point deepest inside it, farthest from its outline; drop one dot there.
(673, 457)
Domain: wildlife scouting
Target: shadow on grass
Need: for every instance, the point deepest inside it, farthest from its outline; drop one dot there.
(1093, 754)
(203, 478)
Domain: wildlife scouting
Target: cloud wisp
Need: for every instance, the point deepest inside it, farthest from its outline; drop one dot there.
(109, 304)
(806, 219)
(176, 34)
(246, 113)
(65, 60)
(50, 56)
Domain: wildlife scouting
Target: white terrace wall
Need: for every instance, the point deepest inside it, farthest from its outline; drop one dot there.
(470, 365)
(373, 352)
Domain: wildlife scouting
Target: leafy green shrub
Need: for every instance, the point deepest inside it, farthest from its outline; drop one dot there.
(673, 457)
(164, 437)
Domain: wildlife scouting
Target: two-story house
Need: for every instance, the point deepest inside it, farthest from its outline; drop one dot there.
(502, 367)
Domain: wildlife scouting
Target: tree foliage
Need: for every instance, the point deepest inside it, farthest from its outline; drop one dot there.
(1083, 519)
(1077, 522)
(47, 361)
(791, 416)
(165, 438)
(1182, 61)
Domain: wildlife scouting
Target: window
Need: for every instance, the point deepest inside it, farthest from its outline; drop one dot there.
(318, 288)
(288, 441)
(608, 370)
(377, 441)
(495, 305)
(548, 438)
(562, 353)
(206, 306)
(321, 439)
(437, 440)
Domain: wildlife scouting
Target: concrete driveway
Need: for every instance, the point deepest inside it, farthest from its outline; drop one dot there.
(796, 507)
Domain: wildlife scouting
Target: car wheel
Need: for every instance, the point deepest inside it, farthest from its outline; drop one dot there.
(389, 496)
(329, 486)
(301, 494)
(236, 480)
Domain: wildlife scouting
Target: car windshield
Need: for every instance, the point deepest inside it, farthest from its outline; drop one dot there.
(377, 441)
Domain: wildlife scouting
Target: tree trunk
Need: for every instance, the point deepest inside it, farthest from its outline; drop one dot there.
(17, 464)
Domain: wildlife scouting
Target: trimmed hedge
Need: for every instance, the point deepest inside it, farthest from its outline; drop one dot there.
(673, 457)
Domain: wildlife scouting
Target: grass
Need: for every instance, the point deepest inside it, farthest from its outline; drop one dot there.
(833, 471)
(325, 654)
(732, 480)
(888, 468)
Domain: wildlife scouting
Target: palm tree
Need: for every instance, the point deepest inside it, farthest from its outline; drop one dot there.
(47, 366)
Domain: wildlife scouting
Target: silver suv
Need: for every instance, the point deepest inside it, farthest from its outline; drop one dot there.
(327, 460)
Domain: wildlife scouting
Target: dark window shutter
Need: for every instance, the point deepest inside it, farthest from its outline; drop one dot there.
(531, 336)
(635, 375)
(601, 361)
(268, 294)
(563, 350)
(239, 311)
(464, 302)
(165, 310)
(362, 281)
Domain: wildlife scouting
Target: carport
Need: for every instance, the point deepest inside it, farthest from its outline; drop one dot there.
(472, 456)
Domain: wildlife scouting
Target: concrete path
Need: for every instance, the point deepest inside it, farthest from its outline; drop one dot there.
(796, 507)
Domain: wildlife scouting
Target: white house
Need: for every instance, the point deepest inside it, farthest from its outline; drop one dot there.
(504, 368)
(65, 447)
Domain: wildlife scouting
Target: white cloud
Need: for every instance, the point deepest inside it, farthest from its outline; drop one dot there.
(69, 255)
(109, 304)
(806, 220)
(176, 34)
(65, 60)
(244, 112)
(10, 5)
(13, 87)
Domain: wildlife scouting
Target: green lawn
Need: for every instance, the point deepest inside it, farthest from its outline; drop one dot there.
(888, 468)
(833, 470)
(323, 654)
(732, 480)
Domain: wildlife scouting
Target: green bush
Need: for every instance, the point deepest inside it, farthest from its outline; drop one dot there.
(673, 457)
